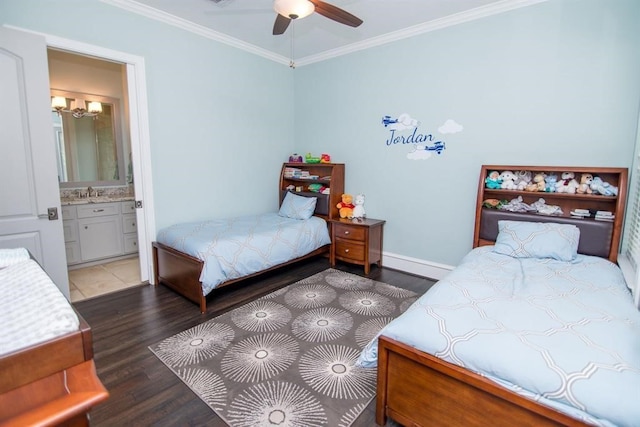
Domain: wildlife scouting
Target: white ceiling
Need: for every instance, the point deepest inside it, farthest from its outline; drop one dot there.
(248, 24)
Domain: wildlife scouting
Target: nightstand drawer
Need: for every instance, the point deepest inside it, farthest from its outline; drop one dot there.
(352, 250)
(351, 232)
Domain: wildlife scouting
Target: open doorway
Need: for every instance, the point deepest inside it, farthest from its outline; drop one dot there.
(134, 113)
(95, 172)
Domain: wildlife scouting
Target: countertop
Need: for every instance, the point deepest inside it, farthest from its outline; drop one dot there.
(100, 199)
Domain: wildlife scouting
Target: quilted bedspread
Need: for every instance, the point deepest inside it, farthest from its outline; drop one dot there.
(236, 247)
(563, 333)
(32, 308)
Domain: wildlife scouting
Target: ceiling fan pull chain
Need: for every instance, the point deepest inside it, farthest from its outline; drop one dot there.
(292, 64)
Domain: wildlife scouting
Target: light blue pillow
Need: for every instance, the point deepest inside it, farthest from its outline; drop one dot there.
(521, 239)
(297, 207)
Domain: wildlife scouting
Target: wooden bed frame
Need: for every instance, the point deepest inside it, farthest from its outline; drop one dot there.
(418, 389)
(181, 272)
(51, 383)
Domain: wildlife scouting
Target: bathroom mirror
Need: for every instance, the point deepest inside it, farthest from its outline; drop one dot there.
(89, 149)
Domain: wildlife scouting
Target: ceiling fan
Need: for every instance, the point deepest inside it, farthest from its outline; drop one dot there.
(295, 9)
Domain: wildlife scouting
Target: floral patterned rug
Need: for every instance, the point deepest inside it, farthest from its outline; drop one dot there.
(288, 358)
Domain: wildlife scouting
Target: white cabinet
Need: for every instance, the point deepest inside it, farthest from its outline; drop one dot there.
(99, 231)
(129, 227)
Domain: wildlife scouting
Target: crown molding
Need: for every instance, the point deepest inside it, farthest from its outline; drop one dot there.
(437, 24)
(164, 17)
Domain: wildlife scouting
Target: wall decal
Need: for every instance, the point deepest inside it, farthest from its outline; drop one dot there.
(405, 130)
(450, 126)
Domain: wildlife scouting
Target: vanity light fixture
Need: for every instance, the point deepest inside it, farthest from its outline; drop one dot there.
(79, 110)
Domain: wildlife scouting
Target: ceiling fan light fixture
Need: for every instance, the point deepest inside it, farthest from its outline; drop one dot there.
(294, 9)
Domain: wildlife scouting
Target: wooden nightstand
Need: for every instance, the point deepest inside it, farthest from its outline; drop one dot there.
(357, 242)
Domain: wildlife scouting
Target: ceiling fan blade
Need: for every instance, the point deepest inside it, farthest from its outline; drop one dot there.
(333, 12)
(281, 24)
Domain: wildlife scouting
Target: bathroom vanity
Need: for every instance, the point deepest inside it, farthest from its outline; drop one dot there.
(99, 230)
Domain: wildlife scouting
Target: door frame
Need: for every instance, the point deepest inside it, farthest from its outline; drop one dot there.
(139, 129)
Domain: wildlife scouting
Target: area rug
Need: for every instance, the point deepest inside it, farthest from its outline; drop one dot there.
(288, 358)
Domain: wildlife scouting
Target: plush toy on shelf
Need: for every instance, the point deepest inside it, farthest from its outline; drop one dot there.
(346, 206)
(493, 180)
(585, 184)
(550, 183)
(598, 186)
(325, 158)
(523, 179)
(567, 184)
(358, 210)
(537, 183)
(508, 179)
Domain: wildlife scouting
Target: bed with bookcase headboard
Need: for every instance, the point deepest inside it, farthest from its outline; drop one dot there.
(430, 374)
(195, 273)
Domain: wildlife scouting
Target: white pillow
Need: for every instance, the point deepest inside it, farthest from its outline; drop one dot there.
(297, 207)
(521, 239)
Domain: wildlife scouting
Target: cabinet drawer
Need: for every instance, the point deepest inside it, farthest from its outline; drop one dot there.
(70, 229)
(128, 207)
(349, 232)
(68, 212)
(351, 250)
(98, 209)
(129, 224)
(130, 243)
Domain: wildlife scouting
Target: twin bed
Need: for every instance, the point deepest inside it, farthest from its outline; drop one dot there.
(535, 327)
(195, 258)
(46, 354)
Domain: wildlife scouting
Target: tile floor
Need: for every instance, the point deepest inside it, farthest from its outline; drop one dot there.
(102, 279)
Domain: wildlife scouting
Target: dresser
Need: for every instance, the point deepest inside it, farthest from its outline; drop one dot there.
(357, 241)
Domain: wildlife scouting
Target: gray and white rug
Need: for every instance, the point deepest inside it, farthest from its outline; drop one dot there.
(288, 358)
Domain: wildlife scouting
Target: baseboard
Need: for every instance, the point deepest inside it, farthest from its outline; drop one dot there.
(415, 266)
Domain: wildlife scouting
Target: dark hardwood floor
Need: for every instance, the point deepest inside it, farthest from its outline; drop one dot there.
(143, 391)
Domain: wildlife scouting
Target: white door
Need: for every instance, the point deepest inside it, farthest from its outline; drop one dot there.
(30, 214)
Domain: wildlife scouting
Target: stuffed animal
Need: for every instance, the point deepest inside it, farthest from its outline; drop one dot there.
(346, 206)
(493, 180)
(598, 186)
(567, 183)
(523, 179)
(508, 179)
(358, 211)
(550, 183)
(585, 184)
(537, 183)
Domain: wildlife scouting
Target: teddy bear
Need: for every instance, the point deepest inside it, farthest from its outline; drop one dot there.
(523, 179)
(585, 184)
(493, 180)
(537, 183)
(550, 183)
(358, 210)
(567, 183)
(508, 179)
(346, 206)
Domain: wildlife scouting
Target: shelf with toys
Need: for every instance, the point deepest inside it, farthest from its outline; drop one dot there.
(581, 193)
(325, 181)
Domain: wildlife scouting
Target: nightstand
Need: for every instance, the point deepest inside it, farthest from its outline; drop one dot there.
(357, 242)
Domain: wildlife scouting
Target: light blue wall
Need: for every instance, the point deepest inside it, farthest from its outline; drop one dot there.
(557, 83)
(220, 118)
